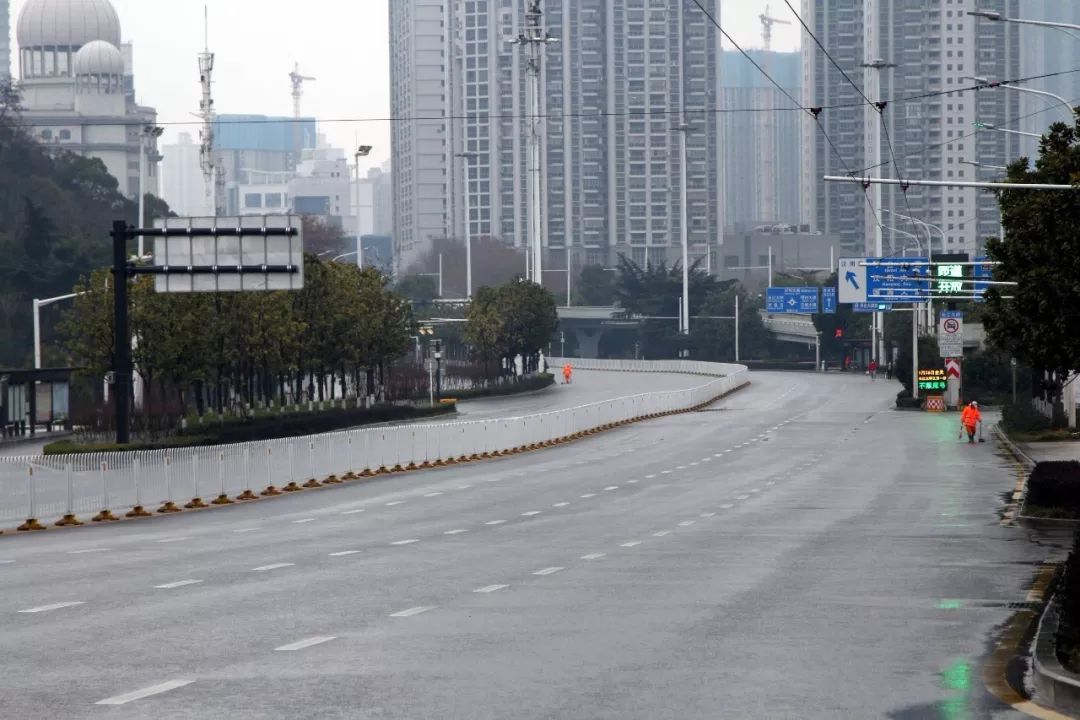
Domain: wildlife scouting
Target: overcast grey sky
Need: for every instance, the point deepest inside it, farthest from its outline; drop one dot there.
(343, 43)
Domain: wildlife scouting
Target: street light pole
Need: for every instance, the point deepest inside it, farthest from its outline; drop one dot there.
(38, 304)
(684, 230)
(150, 133)
(362, 151)
(872, 82)
(1020, 89)
(466, 157)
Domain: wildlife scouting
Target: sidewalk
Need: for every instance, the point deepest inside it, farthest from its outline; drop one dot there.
(1042, 451)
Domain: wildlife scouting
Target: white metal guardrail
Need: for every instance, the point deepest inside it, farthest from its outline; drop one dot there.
(142, 482)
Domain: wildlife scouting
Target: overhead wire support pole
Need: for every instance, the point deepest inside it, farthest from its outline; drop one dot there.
(948, 183)
(535, 40)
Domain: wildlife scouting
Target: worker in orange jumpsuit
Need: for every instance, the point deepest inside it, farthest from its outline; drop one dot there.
(969, 420)
(567, 372)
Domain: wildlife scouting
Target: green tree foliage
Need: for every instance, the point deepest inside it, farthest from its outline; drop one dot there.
(56, 211)
(595, 287)
(420, 289)
(1041, 326)
(715, 339)
(254, 347)
(852, 326)
(518, 318)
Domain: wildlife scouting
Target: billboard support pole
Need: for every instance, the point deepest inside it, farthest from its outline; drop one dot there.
(121, 334)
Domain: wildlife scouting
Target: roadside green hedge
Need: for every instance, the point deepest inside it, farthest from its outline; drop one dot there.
(265, 428)
(1054, 489)
(1068, 634)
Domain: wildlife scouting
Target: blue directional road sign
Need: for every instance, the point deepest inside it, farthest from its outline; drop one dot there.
(984, 273)
(871, 307)
(897, 279)
(828, 300)
(792, 300)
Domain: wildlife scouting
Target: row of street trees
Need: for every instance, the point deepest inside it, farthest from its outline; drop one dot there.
(518, 318)
(223, 350)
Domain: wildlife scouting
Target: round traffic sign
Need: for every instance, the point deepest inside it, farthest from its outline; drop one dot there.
(951, 326)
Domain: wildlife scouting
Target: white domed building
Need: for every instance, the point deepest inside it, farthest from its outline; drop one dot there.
(78, 86)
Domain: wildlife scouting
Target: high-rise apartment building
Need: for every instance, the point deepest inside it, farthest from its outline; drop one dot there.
(1045, 51)
(931, 48)
(5, 39)
(760, 191)
(614, 90)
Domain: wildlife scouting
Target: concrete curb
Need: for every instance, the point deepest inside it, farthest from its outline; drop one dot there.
(1013, 447)
(1055, 686)
(1029, 465)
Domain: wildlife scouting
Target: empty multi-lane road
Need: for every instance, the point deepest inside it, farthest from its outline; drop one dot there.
(797, 550)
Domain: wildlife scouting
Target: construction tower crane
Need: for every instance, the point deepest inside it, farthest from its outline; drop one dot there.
(298, 81)
(769, 206)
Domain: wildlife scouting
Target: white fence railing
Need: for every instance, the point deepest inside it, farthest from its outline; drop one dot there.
(132, 483)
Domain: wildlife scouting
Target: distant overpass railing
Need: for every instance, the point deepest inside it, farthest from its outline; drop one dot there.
(137, 483)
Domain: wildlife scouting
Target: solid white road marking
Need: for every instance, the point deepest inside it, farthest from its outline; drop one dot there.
(549, 571)
(560, 504)
(609, 488)
(457, 531)
(173, 540)
(708, 515)
(687, 523)
(662, 533)
(495, 522)
(343, 553)
(301, 644)
(490, 588)
(593, 556)
(144, 693)
(275, 566)
(586, 496)
(177, 584)
(410, 541)
(531, 513)
(88, 550)
(396, 502)
(305, 520)
(413, 611)
(54, 606)
(353, 512)
(433, 494)
(632, 543)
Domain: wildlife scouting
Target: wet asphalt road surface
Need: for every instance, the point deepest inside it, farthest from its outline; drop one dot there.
(798, 550)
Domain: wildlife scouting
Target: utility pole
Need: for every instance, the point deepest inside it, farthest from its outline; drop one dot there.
(214, 197)
(873, 119)
(535, 40)
(361, 152)
(684, 230)
(147, 141)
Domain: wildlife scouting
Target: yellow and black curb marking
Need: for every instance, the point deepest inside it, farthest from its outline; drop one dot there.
(32, 524)
(1023, 466)
(1018, 629)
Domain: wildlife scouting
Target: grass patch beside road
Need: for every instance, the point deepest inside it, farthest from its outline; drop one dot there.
(1054, 490)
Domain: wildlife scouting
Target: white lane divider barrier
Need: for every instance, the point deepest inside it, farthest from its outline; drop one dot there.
(145, 692)
(302, 644)
(177, 584)
(54, 606)
(412, 611)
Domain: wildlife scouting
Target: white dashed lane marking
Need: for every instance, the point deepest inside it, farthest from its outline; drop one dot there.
(495, 522)
(708, 515)
(686, 523)
(490, 588)
(410, 541)
(549, 571)
(586, 496)
(302, 644)
(275, 566)
(343, 553)
(88, 550)
(353, 512)
(396, 502)
(305, 520)
(456, 531)
(560, 504)
(433, 494)
(531, 513)
(632, 543)
(144, 693)
(742, 497)
(593, 556)
(650, 477)
(177, 584)
(246, 530)
(54, 606)
(412, 611)
(662, 533)
(173, 540)
(609, 488)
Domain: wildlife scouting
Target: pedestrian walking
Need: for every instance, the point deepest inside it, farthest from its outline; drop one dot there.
(969, 420)
(872, 369)
(567, 373)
